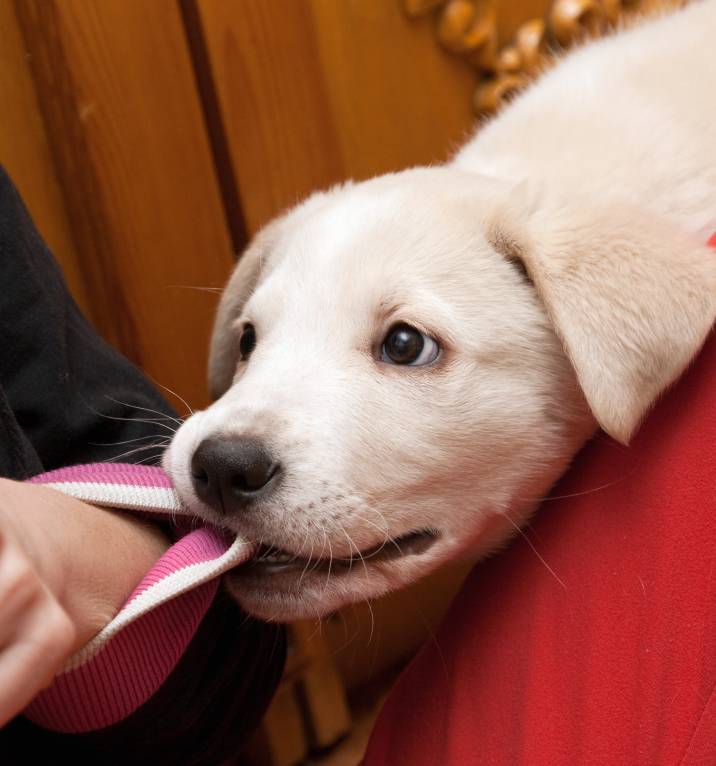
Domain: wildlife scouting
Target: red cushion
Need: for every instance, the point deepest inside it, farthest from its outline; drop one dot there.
(592, 639)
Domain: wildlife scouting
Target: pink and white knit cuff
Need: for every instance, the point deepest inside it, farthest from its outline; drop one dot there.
(127, 661)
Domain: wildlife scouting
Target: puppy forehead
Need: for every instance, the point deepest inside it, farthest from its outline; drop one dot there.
(374, 244)
(346, 227)
(347, 247)
(364, 234)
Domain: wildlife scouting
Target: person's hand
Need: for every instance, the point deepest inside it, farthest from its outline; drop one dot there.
(66, 568)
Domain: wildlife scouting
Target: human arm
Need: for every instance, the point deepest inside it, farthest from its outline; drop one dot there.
(66, 568)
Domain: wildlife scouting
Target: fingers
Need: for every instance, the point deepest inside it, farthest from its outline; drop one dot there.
(36, 635)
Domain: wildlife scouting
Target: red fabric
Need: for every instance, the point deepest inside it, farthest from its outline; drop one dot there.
(609, 655)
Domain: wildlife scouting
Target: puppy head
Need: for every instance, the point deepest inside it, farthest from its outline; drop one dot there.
(391, 390)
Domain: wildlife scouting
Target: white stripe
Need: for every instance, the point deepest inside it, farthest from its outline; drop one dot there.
(124, 496)
(171, 586)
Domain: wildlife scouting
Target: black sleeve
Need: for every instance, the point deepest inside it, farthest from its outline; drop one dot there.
(72, 397)
(66, 397)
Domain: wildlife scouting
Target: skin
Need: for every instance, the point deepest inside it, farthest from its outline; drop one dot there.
(66, 568)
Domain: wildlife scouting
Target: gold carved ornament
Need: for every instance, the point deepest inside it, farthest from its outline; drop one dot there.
(470, 29)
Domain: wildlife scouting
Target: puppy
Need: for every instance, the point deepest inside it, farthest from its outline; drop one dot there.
(403, 367)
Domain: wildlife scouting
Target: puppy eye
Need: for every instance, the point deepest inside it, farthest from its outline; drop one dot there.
(408, 346)
(247, 341)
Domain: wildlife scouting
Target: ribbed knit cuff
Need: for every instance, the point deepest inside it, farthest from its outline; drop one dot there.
(127, 661)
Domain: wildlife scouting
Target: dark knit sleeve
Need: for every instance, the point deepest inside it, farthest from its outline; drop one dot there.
(66, 397)
(73, 397)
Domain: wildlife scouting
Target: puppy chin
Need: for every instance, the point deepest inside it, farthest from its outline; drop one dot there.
(288, 596)
(283, 607)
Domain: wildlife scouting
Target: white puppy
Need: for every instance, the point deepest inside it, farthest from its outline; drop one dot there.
(403, 367)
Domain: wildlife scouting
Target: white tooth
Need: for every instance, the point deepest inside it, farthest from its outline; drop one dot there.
(277, 558)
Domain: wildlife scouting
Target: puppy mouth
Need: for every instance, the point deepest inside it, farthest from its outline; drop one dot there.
(270, 559)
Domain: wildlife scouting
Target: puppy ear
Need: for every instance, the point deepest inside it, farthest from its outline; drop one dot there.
(224, 347)
(631, 297)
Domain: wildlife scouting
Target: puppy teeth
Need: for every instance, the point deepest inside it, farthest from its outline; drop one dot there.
(276, 557)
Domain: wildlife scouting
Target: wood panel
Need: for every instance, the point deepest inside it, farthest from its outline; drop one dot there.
(314, 92)
(25, 153)
(126, 130)
(397, 99)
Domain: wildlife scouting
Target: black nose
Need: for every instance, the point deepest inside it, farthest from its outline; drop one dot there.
(229, 473)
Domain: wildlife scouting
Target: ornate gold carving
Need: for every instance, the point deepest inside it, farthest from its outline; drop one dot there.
(490, 93)
(469, 28)
(572, 18)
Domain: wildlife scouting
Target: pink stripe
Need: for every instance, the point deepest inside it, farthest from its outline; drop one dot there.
(204, 544)
(128, 671)
(133, 663)
(108, 473)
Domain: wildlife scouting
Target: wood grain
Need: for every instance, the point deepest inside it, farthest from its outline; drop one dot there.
(315, 92)
(282, 739)
(268, 81)
(25, 153)
(321, 690)
(128, 139)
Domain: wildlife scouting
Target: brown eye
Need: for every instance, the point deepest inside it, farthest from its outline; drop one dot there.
(247, 341)
(406, 345)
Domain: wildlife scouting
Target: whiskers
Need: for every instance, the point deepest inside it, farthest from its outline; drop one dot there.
(589, 491)
(307, 565)
(157, 442)
(157, 445)
(327, 539)
(534, 549)
(214, 290)
(383, 530)
(189, 410)
(160, 415)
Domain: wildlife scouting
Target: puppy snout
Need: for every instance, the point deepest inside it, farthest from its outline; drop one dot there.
(229, 473)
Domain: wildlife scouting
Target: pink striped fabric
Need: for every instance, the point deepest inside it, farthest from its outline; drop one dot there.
(127, 661)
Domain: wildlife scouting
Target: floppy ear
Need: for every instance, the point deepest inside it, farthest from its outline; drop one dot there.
(224, 347)
(631, 297)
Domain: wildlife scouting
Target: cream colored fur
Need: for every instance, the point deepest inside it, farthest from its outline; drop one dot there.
(601, 181)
